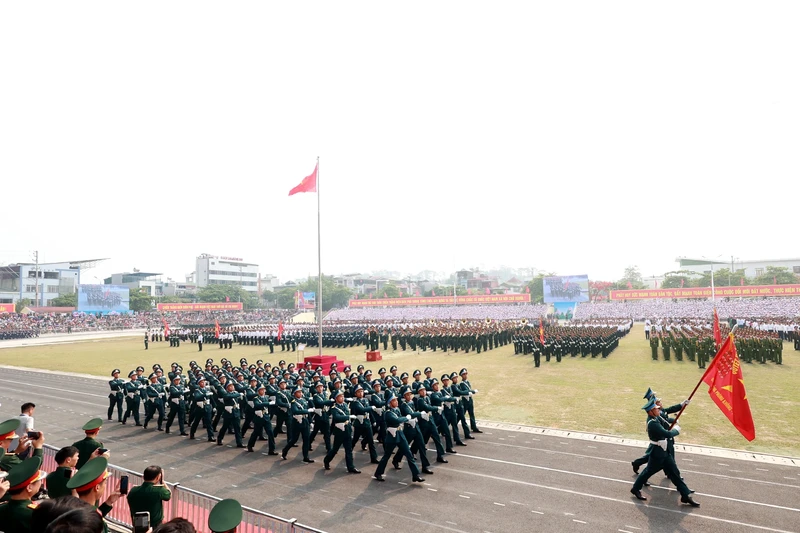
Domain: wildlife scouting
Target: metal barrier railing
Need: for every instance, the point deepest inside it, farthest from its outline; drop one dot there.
(185, 503)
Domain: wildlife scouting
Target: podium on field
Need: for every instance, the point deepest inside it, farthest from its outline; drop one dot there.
(325, 361)
(374, 356)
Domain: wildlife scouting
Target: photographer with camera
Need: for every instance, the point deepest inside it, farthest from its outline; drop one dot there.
(150, 495)
(8, 432)
(25, 424)
(90, 447)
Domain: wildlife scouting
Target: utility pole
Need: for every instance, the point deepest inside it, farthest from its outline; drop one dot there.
(36, 257)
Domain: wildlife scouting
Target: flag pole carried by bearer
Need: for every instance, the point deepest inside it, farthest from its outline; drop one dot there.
(311, 184)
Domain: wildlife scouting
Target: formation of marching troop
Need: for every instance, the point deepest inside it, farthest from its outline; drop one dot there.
(573, 340)
(400, 411)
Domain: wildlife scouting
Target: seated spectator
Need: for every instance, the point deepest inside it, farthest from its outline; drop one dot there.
(66, 458)
(150, 495)
(24, 482)
(176, 525)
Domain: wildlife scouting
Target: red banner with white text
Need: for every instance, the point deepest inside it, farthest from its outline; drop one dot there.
(705, 292)
(443, 300)
(218, 306)
(6, 308)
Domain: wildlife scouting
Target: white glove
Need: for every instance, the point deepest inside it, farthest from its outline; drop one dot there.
(425, 416)
(408, 417)
(476, 391)
(348, 399)
(685, 402)
(272, 402)
(677, 428)
(340, 425)
(441, 408)
(352, 417)
(373, 407)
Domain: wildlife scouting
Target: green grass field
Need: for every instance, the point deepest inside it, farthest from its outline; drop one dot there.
(595, 395)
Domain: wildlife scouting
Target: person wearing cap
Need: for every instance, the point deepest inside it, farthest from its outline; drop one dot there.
(177, 405)
(378, 404)
(231, 415)
(133, 390)
(321, 404)
(261, 421)
(116, 395)
(417, 383)
(658, 431)
(150, 495)
(459, 394)
(90, 484)
(428, 377)
(248, 405)
(445, 416)
(202, 397)
(396, 381)
(342, 434)
(299, 425)
(428, 424)
(283, 402)
(225, 517)
(24, 482)
(362, 427)
(155, 401)
(395, 438)
(412, 431)
(88, 447)
(8, 432)
(663, 412)
(469, 405)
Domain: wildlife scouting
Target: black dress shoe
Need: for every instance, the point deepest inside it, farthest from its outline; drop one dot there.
(184, 434)
(638, 495)
(635, 468)
(283, 456)
(460, 444)
(418, 479)
(210, 439)
(327, 465)
(396, 465)
(307, 460)
(375, 461)
(241, 446)
(219, 443)
(273, 452)
(166, 431)
(353, 471)
(441, 460)
(161, 429)
(451, 451)
(427, 471)
(688, 500)
(378, 478)
(476, 430)
(647, 484)
(249, 449)
(469, 437)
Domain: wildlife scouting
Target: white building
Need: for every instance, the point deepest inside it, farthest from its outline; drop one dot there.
(19, 281)
(221, 270)
(751, 269)
(136, 280)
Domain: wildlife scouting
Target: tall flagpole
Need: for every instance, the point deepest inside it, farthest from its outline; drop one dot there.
(318, 301)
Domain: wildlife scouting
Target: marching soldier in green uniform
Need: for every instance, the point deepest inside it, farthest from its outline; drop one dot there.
(133, 389)
(88, 446)
(261, 422)
(177, 405)
(654, 346)
(678, 346)
(361, 408)
(412, 432)
(665, 344)
(342, 434)
(155, 402)
(231, 415)
(395, 438)
(322, 405)
(24, 482)
(300, 425)
(116, 395)
(202, 397)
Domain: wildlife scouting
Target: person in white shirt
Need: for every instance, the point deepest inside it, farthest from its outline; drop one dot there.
(25, 423)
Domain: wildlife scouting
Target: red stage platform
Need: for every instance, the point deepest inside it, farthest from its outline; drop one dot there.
(325, 361)
(374, 356)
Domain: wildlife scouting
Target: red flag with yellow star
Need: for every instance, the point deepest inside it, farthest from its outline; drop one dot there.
(726, 388)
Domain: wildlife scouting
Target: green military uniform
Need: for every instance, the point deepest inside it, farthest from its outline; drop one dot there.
(149, 497)
(654, 347)
(8, 430)
(93, 473)
(57, 482)
(88, 445)
(15, 515)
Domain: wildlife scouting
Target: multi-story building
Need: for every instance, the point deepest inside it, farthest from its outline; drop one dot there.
(222, 270)
(752, 269)
(41, 283)
(136, 280)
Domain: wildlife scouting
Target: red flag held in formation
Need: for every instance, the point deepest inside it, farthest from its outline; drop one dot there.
(280, 330)
(541, 330)
(166, 327)
(717, 333)
(309, 183)
(527, 290)
(681, 283)
(216, 328)
(726, 388)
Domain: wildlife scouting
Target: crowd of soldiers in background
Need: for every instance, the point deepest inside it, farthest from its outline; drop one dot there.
(298, 401)
(557, 341)
(756, 342)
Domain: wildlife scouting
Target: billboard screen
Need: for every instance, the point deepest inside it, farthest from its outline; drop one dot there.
(566, 289)
(103, 299)
(305, 300)
(6, 308)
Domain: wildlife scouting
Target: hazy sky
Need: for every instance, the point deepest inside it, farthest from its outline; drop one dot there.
(577, 137)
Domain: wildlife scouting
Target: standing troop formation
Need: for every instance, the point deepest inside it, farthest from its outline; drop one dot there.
(401, 411)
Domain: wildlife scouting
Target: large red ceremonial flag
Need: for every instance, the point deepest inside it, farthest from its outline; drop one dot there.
(541, 330)
(280, 330)
(726, 388)
(717, 333)
(166, 327)
(216, 328)
(309, 183)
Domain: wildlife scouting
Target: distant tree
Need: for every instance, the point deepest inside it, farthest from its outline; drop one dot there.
(679, 279)
(536, 286)
(65, 300)
(21, 304)
(631, 279)
(781, 275)
(391, 290)
(722, 278)
(599, 290)
(227, 293)
(140, 300)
